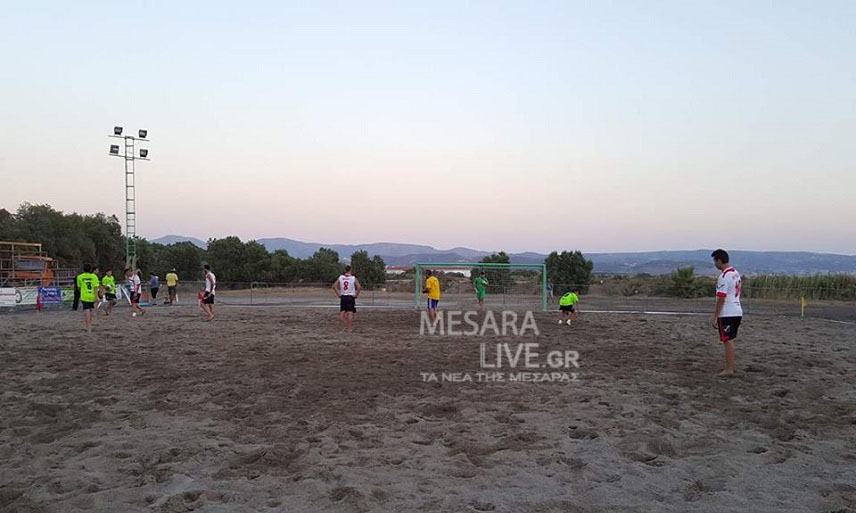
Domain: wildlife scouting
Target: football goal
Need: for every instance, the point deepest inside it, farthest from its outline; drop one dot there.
(506, 284)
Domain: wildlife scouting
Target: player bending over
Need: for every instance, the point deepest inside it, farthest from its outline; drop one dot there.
(480, 287)
(347, 288)
(568, 306)
(88, 283)
(432, 288)
(208, 293)
(729, 312)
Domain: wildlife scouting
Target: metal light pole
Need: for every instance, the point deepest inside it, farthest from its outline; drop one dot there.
(130, 156)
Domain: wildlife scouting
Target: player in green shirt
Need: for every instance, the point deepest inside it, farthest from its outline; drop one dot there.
(109, 284)
(480, 286)
(568, 306)
(88, 284)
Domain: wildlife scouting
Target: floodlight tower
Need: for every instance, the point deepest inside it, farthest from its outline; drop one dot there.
(130, 156)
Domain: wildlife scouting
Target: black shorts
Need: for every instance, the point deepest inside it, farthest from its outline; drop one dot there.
(567, 308)
(135, 297)
(110, 297)
(208, 299)
(87, 305)
(171, 290)
(728, 327)
(347, 304)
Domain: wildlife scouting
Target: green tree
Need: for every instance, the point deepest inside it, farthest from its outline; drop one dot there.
(185, 257)
(370, 271)
(569, 270)
(256, 263)
(225, 256)
(72, 239)
(499, 280)
(283, 267)
(683, 282)
(322, 267)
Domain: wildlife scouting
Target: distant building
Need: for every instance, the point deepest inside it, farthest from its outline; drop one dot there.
(398, 269)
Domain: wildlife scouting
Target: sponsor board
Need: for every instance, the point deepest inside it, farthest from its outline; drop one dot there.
(8, 297)
(50, 295)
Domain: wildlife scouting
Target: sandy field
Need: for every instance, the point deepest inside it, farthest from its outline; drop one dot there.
(273, 409)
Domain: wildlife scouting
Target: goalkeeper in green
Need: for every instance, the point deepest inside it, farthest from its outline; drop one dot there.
(480, 287)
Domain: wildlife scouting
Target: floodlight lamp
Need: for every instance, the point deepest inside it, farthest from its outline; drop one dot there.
(114, 149)
(117, 130)
(143, 133)
(144, 153)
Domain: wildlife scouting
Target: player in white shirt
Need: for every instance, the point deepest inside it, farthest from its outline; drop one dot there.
(207, 299)
(347, 288)
(135, 288)
(728, 312)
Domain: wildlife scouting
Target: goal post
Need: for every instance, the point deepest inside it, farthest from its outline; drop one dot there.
(492, 269)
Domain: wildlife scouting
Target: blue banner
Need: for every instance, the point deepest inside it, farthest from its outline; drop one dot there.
(50, 295)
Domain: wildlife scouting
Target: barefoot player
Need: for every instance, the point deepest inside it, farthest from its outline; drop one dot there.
(347, 288)
(568, 306)
(208, 293)
(135, 288)
(729, 312)
(109, 284)
(88, 283)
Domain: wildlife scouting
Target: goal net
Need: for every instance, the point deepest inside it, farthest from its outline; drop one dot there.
(508, 285)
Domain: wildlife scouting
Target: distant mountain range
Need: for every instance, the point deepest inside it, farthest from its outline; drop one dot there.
(650, 262)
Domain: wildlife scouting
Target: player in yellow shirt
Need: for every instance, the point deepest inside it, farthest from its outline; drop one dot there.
(171, 284)
(432, 288)
(88, 284)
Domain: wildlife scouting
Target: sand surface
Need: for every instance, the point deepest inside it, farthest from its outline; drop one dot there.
(270, 409)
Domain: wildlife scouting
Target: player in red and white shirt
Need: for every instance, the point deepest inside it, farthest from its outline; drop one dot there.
(207, 299)
(347, 288)
(135, 288)
(728, 312)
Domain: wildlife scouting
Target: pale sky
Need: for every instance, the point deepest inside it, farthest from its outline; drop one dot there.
(601, 126)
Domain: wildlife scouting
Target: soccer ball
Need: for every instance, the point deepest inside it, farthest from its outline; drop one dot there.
(560, 321)
(134, 314)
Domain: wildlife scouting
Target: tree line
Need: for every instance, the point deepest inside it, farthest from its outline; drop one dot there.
(75, 239)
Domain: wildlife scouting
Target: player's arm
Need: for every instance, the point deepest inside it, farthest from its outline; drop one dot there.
(721, 293)
(358, 287)
(335, 287)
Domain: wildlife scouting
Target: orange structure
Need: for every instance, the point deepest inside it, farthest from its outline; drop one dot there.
(25, 264)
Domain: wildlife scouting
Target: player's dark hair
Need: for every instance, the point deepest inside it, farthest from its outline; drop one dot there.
(87, 268)
(127, 270)
(721, 255)
(206, 267)
(347, 268)
(428, 272)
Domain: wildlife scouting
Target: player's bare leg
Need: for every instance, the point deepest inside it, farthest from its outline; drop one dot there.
(729, 359)
(87, 320)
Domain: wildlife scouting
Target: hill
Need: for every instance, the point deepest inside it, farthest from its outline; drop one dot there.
(648, 262)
